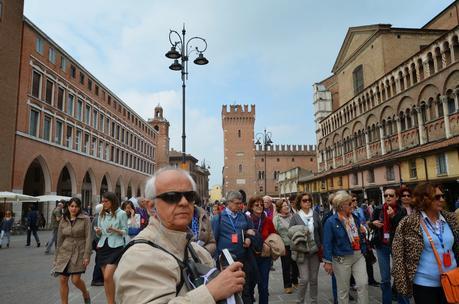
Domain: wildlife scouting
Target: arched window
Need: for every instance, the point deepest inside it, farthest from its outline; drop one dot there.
(408, 119)
(402, 121)
(357, 76)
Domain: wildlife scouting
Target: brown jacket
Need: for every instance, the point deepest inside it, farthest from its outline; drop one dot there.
(205, 231)
(408, 245)
(73, 244)
(149, 275)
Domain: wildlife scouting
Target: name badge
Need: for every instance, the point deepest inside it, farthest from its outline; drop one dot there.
(447, 259)
(386, 236)
(234, 238)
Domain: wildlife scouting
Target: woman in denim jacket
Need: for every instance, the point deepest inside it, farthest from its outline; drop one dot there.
(111, 230)
(344, 246)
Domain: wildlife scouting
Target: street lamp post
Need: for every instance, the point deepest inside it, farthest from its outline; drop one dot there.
(184, 52)
(264, 137)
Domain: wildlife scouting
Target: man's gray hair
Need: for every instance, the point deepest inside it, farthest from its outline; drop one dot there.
(233, 195)
(340, 198)
(150, 187)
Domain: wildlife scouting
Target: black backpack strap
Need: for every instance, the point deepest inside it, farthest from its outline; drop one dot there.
(181, 264)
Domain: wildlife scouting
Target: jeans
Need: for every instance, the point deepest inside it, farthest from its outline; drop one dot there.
(32, 230)
(334, 289)
(289, 269)
(2, 235)
(52, 240)
(264, 266)
(309, 270)
(383, 253)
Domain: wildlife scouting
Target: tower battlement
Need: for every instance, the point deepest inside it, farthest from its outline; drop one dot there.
(238, 110)
(287, 148)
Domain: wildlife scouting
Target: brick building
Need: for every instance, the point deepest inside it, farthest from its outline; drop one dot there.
(64, 132)
(200, 173)
(389, 113)
(248, 166)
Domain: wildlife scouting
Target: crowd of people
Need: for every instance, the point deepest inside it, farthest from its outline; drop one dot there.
(168, 248)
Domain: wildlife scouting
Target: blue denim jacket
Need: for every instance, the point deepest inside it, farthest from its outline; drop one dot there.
(120, 222)
(335, 239)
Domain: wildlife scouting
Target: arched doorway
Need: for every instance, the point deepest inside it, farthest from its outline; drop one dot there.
(244, 196)
(129, 191)
(64, 184)
(118, 190)
(103, 187)
(34, 184)
(138, 192)
(86, 193)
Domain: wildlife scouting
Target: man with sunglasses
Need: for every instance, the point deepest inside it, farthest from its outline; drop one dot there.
(150, 274)
(385, 221)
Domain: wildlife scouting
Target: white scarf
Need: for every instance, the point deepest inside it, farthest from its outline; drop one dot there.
(308, 221)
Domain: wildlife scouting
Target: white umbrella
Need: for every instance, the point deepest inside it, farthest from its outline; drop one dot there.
(52, 198)
(16, 197)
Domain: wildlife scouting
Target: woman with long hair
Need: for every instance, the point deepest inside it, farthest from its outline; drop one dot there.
(415, 268)
(73, 250)
(111, 230)
(133, 222)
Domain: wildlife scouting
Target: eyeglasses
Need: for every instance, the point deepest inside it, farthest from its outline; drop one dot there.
(389, 195)
(174, 197)
(406, 195)
(439, 197)
(354, 199)
(304, 200)
(258, 205)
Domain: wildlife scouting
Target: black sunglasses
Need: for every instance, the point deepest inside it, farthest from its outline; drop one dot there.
(174, 197)
(439, 196)
(389, 195)
(406, 195)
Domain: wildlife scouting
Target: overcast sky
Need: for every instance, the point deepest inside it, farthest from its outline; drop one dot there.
(262, 52)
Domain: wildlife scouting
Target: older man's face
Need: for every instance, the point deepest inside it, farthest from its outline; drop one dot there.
(174, 216)
(268, 202)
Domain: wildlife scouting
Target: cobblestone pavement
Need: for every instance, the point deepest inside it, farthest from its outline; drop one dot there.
(25, 278)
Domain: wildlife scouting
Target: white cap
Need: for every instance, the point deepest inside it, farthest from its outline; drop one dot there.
(134, 201)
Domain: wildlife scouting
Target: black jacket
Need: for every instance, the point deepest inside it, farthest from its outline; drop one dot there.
(378, 214)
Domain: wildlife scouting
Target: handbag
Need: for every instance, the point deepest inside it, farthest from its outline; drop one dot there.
(449, 280)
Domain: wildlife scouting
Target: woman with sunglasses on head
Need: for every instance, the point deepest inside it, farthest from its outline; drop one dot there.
(306, 224)
(112, 227)
(73, 249)
(385, 220)
(281, 223)
(416, 271)
(264, 226)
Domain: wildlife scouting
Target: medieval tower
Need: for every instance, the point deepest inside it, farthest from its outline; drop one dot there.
(161, 125)
(238, 132)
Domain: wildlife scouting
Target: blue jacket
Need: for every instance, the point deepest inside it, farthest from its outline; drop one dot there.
(336, 241)
(120, 222)
(222, 227)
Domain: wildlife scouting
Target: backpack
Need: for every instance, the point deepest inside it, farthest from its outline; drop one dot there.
(192, 272)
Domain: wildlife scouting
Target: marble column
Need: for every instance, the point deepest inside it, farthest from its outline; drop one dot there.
(381, 138)
(354, 147)
(367, 145)
(456, 99)
(444, 102)
(399, 133)
(334, 156)
(422, 135)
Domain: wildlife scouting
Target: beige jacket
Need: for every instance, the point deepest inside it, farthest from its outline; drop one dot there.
(73, 244)
(205, 231)
(149, 275)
